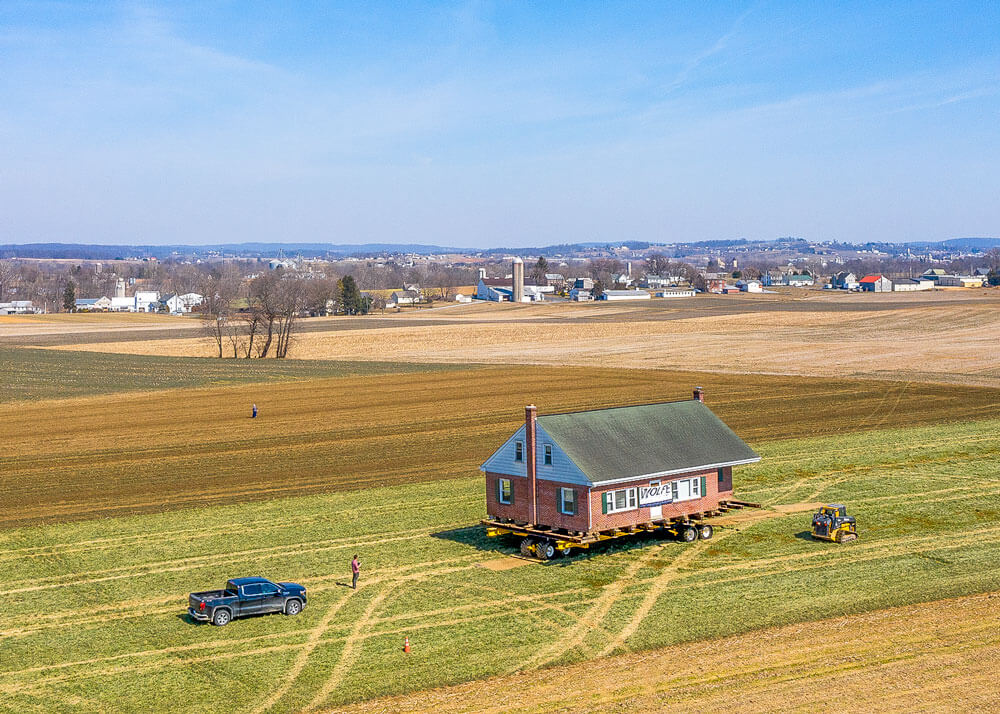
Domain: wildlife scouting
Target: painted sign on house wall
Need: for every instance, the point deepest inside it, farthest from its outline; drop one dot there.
(657, 495)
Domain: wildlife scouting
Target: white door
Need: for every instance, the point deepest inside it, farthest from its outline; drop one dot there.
(655, 513)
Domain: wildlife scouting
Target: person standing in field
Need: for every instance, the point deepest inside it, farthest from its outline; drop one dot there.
(355, 570)
(253, 412)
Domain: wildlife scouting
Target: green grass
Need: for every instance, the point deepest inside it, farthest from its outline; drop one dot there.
(34, 374)
(93, 610)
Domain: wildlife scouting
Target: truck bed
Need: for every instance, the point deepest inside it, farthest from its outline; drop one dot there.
(211, 595)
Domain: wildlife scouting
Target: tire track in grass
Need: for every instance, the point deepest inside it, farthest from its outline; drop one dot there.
(347, 654)
(392, 620)
(314, 585)
(315, 635)
(594, 615)
(657, 587)
(37, 684)
(91, 672)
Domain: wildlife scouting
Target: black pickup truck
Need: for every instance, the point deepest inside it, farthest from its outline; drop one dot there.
(246, 596)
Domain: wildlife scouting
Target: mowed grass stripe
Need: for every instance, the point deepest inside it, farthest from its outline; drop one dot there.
(145, 452)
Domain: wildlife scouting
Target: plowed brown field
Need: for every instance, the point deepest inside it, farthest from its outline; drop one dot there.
(134, 452)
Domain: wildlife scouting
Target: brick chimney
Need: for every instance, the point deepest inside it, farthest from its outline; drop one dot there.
(530, 413)
(699, 394)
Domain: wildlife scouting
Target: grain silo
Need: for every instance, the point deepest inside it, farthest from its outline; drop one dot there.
(517, 277)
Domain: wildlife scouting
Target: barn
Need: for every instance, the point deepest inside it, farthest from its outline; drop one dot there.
(875, 284)
(591, 472)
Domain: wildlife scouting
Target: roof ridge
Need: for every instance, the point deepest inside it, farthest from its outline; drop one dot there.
(620, 406)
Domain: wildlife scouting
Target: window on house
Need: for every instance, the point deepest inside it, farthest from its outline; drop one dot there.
(548, 454)
(722, 476)
(518, 451)
(505, 490)
(624, 499)
(567, 501)
(686, 489)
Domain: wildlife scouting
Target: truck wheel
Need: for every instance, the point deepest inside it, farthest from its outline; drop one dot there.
(689, 534)
(546, 550)
(221, 618)
(293, 607)
(526, 547)
(705, 531)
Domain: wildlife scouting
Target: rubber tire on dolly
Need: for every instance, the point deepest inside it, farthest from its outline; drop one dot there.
(688, 534)
(526, 544)
(293, 607)
(546, 550)
(221, 618)
(705, 531)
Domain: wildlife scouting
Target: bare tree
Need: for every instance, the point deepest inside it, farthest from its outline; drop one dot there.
(657, 264)
(290, 295)
(264, 297)
(8, 276)
(605, 271)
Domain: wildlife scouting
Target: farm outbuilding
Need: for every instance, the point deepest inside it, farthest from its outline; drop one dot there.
(624, 295)
(875, 284)
(593, 471)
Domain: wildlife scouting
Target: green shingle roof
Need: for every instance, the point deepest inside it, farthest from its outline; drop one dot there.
(629, 442)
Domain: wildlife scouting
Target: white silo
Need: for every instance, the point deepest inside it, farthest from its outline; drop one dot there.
(517, 279)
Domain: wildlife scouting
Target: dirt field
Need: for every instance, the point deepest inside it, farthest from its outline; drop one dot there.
(148, 451)
(933, 337)
(937, 656)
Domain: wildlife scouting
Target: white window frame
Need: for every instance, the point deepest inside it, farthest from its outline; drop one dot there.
(631, 498)
(686, 489)
(510, 483)
(519, 452)
(562, 501)
(547, 455)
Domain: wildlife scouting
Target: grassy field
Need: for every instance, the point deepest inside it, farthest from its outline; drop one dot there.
(93, 615)
(112, 454)
(33, 374)
(936, 656)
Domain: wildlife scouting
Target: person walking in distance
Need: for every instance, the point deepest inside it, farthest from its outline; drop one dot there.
(355, 570)
(253, 412)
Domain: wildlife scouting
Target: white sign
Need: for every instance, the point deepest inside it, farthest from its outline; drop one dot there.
(655, 495)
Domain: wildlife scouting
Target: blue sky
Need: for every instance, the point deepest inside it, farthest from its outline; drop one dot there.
(497, 123)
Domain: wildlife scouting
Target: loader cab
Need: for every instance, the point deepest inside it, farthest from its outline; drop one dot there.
(834, 510)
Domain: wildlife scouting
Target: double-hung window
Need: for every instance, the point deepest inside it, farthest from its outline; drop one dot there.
(505, 490)
(548, 454)
(624, 499)
(567, 501)
(518, 451)
(687, 489)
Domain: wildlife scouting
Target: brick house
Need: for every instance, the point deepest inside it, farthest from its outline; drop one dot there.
(593, 471)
